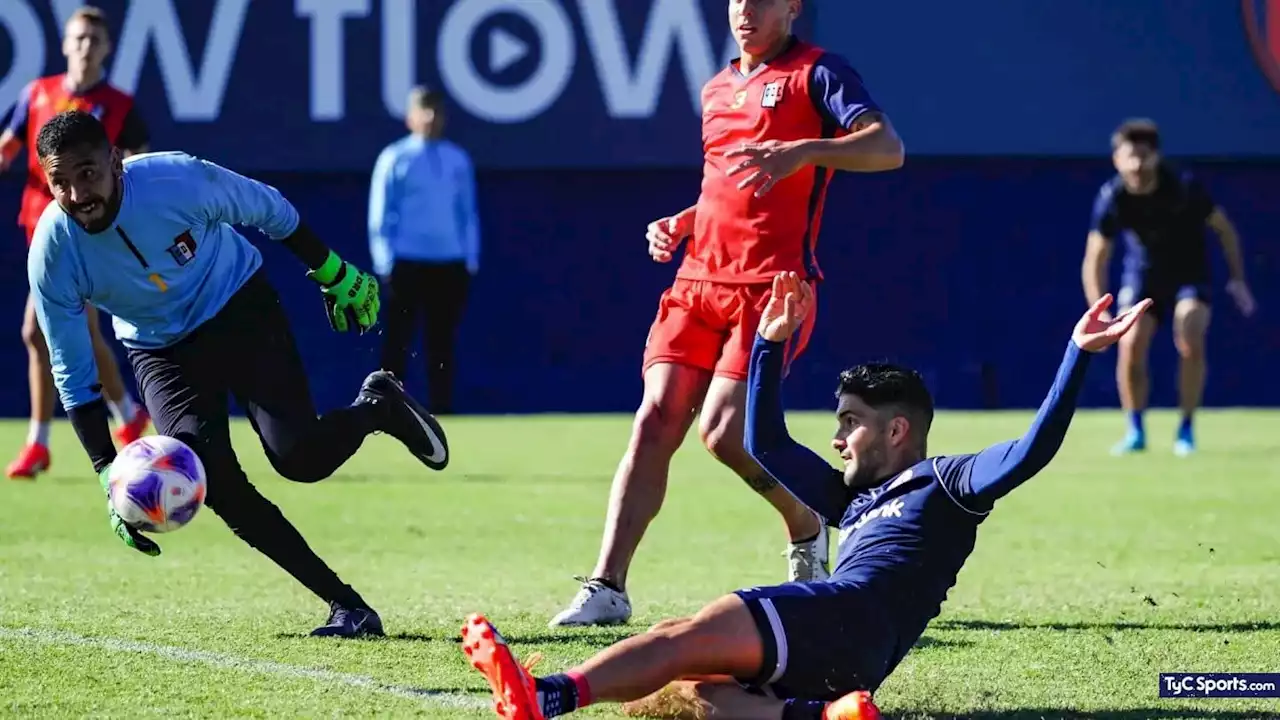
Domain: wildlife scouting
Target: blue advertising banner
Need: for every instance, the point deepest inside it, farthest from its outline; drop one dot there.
(1054, 77)
(320, 84)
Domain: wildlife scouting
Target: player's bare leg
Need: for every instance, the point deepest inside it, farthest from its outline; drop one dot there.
(1190, 327)
(1133, 383)
(34, 457)
(688, 664)
(672, 394)
(131, 418)
(722, 429)
(721, 639)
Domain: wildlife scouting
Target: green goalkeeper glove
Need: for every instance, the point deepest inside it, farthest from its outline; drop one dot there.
(127, 534)
(350, 296)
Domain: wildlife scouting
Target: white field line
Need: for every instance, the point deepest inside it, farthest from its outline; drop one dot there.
(57, 637)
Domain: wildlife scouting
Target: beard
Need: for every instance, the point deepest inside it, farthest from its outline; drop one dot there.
(866, 469)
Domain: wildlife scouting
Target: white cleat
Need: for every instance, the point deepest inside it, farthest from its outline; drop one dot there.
(595, 604)
(807, 562)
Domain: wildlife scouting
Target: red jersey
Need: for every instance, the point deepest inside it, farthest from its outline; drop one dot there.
(48, 96)
(803, 93)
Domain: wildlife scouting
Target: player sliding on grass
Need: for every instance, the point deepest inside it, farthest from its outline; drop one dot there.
(907, 524)
(151, 242)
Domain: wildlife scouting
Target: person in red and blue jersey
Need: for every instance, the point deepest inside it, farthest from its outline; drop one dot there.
(1161, 212)
(86, 45)
(907, 523)
(776, 124)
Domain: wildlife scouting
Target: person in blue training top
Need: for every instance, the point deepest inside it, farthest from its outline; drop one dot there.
(907, 524)
(150, 241)
(424, 238)
(1161, 213)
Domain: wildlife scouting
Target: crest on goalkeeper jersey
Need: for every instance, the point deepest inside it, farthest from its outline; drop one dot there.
(183, 249)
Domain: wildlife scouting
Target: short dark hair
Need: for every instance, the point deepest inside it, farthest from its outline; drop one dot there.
(74, 129)
(1139, 131)
(887, 386)
(424, 97)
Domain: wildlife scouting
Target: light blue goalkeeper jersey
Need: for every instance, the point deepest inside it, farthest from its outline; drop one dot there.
(169, 262)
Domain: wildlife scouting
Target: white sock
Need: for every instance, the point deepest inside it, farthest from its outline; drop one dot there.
(125, 411)
(38, 433)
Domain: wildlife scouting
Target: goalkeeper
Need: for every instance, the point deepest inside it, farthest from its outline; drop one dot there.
(151, 242)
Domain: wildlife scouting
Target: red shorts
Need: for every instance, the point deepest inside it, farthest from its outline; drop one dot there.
(712, 326)
(30, 230)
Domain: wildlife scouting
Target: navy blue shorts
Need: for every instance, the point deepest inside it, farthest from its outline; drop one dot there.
(822, 641)
(1164, 295)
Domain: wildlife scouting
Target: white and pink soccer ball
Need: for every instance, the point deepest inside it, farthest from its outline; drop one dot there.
(156, 484)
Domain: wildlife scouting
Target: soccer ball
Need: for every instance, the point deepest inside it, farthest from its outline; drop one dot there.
(156, 484)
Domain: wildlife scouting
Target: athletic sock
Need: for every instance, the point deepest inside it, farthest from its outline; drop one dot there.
(608, 583)
(124, 411)
(803, 709)
(562, 694)
(1135, 422)
(38, 433)
(1184, 428)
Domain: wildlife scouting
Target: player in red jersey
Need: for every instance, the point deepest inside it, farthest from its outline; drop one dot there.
(83, 87)
(776, 124)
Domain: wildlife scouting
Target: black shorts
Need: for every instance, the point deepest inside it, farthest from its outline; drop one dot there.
(1165, 293)
(822, 641)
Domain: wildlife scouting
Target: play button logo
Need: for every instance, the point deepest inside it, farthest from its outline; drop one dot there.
(505, 50)
(496, 84)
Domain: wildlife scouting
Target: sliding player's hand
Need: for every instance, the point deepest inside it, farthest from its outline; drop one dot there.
(350, 296)
(1240, 292)
(665, 235)
(1095, 333)
(766, 164)
(127, 534)
(789, 304)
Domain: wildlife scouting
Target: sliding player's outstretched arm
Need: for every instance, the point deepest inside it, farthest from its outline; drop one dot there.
(977, 481)
(801, 471)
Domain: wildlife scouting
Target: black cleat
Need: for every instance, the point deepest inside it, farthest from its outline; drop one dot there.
(405, 419)
(347, 622)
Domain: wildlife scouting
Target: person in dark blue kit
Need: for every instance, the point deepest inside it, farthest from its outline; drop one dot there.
(1161, 212)
(907, 523)
(150, 241)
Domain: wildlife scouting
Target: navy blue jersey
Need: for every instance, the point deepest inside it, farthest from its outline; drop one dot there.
(903, 541)
(1164, 231)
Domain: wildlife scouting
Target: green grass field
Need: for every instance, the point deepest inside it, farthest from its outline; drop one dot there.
(1087, 582)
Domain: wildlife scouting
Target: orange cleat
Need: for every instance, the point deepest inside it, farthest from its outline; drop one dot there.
(854, 706)
(131, 431)
(33, 460)
(515, 694)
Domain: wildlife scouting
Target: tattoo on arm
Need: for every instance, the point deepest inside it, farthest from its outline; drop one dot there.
(866, 120)
(761, 483)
